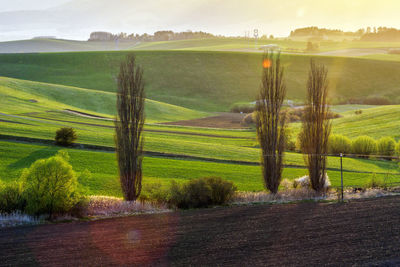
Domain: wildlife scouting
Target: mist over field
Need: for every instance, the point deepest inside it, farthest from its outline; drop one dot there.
(75, 19)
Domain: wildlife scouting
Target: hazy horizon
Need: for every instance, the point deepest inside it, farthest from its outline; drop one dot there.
(75, 19)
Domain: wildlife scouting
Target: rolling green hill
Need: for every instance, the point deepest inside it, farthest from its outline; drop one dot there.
(18, 96)
(297, 45)
(375, 121)
(208, 81)
(59, 45)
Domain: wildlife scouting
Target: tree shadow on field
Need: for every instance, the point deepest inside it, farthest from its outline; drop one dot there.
(25, 162)
(385, 165)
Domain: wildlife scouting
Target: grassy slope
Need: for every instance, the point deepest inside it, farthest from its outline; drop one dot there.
(208, 81)
(16, 96)
(172, 141)
(60, 45)
(293, 44)
(103, 167)
(377, 122)
(248, 45)
(385, 57)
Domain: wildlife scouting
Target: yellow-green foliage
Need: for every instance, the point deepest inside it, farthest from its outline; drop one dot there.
(50, 185)
(375, 182)
(11, 197)
(339, 144)
(364, 146)
(398, 149)
(201, 192)
(386, 146)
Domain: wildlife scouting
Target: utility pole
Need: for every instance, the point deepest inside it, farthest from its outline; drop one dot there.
(256, 36)
(341, 172)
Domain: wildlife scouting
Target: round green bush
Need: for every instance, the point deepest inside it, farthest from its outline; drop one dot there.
(386, 146)
(65, 136)
(339, 144)
(202, 192)
(11, 197)
(50, 186)
(364, 146)
(398, 149)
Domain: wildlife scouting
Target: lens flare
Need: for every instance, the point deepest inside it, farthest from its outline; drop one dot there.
(266, 63)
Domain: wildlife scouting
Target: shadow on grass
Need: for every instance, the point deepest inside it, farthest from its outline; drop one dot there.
(25, 162)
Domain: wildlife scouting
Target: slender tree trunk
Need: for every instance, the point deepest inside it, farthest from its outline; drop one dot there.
(316, 126)
(270, 121)
(129, 127)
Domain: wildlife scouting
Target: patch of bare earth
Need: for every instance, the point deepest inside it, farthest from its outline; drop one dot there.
(359, 232)
(222, 120)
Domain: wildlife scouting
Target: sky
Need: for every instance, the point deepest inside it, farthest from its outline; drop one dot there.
(75, 19)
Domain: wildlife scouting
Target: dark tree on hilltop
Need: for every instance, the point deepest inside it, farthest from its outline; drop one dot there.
(129, 127)
(316, 126)
(270, 121)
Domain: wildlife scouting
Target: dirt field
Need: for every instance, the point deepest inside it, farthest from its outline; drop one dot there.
(223, 120)
(356, 233)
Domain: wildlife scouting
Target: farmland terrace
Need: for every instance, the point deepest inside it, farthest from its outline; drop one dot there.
(303, 234)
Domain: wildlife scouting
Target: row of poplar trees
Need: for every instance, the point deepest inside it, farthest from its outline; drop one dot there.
(270, 124)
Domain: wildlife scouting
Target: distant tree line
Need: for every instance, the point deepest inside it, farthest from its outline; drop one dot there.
(315, 32)
(368, 34)
(157, 36)
(382, 34)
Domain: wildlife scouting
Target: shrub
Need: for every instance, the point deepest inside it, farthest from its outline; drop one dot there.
(364, 146)
(11, 198)
(394, 51)
(50, 186)
(286, 184)
(358, 112)
(398, 149)
(248, 119)
(339, 144)
(312, 46)
(377, 101)
(65, 136)
(387, 146)
(221, 191)
(154, 193)
(290, 143)
(243, 108)
(296, 114)
(375, 182)
(299, 142)
(202, 192)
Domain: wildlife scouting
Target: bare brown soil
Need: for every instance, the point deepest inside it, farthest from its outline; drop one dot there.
(223, 120)
(34, 115)
(363, 232)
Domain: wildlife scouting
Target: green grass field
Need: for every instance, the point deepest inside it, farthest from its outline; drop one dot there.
(215, 44)
(180, 85)
(104, 180)
(297, 45)
(18, 96)
(205, 81)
